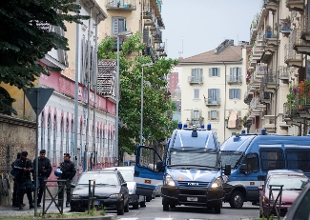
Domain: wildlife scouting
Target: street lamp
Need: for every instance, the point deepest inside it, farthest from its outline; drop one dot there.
(141, 120)
(125, 33)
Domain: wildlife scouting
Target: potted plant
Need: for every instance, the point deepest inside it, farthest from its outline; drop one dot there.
(268, 31)
(118, 4)
(129, 5)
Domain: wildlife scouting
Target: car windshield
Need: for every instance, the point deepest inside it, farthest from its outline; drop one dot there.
(101, 179)
(193, 158)
(230, 158)
(289, 183)
(128, 175)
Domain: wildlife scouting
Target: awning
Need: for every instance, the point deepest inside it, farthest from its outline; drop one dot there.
(232, 121)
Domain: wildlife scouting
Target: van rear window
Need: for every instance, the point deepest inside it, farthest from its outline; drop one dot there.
(271, 159)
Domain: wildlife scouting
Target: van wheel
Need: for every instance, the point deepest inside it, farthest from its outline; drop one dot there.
(165, 205)
(135, 205)
(142, 204)
(217, 208)
(120, 210)
(236, 200)
(126, 208)
(148, 198)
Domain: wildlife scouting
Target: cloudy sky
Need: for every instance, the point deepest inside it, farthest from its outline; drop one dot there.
(204, 24)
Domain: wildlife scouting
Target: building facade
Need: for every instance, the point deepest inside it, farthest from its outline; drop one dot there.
(212, 84)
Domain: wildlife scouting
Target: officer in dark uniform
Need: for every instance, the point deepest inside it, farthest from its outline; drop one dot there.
(23, 179)
(44, 171)
(14, 173)
(68, 172)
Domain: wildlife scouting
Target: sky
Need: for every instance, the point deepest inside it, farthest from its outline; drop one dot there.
(202, 25)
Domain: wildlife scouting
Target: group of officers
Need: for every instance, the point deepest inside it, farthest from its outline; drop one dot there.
(23, 169)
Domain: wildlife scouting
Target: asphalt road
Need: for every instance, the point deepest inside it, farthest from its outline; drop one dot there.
(153, 211)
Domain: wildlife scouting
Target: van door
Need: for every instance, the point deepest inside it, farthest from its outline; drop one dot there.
(147, 176)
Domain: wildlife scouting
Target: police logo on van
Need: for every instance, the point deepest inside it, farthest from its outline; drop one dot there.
(193, 184)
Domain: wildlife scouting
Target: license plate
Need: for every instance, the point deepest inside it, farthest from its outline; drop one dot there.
(192, 199)
(96, 202)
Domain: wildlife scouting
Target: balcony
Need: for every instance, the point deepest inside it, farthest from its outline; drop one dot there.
(270, 81)
(147, 15)
(212, 102)
(234, 79)
(282, 121)
(305, 29)
(291, 57)
(284, 74)
(271, 5)
(260, 70)
(162, 54)
(265, 97)
(248, 96)
(299, 45)
(295, 5)
(160, 47)
(195, 80)
(269, 123)
(157, 36)
(130, 5)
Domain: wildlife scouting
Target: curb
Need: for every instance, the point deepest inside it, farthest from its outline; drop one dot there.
(109, 217)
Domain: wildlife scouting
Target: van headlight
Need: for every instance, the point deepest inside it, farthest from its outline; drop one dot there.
(75, 196)
(168, 180)
(216, 183)
(116, 196)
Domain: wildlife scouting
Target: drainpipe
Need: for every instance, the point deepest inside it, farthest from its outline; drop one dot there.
(225, 102)
(277, 78)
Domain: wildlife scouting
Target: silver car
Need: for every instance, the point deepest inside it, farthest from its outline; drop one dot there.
(128, 175)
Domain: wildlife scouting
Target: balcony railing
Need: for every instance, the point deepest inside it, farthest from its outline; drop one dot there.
(234, 79)
(212, 102)
(269, 122)
(130, 5)
(296, 5)
(283, 73)
(195, 80)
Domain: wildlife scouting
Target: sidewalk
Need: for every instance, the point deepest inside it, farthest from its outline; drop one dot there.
(14, 211)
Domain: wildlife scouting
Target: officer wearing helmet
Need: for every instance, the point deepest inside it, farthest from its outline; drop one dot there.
(67, 173)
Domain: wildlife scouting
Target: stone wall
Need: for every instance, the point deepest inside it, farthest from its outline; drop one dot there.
(16, 135)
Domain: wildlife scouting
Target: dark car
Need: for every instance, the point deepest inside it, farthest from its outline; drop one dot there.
(292, 183)
(300, 208)
(110, 191)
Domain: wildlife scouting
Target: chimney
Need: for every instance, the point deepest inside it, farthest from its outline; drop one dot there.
(223, 46)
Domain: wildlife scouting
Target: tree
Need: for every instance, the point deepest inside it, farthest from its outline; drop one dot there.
(24, 40)
(157, 124)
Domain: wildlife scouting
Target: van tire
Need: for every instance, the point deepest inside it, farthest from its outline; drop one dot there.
(148, 198)
(120, 211)
(142, 204)
(126, 208)
(236, 200)
(217, 208)
(165, 205)
(135, 205)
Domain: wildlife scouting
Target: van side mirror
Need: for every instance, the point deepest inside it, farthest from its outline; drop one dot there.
(227, 170)
(160, 166)
(243, 168)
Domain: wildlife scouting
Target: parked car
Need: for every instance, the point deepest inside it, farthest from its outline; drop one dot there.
(292, 183)
(300, 208)
(128, 174)
(157, 191)
(111, 191)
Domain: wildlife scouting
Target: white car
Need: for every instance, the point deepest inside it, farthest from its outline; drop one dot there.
(128, 175)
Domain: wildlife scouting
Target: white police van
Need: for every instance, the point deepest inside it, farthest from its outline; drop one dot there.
(190, 172)
(251, 156)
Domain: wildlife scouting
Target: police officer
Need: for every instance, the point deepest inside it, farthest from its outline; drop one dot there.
(44, 171)
(14, 173)
(68, 172)
(23, 179)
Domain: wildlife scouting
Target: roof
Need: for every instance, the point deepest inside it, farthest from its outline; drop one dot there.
(229, 54)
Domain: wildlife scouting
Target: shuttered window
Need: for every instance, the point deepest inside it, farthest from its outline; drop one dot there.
(235, 74)
(118, 25)
(196, 113)
(213, 95)
(234, 93)
(214, 71)
(196, 93)
(213, 115)
(196, 75)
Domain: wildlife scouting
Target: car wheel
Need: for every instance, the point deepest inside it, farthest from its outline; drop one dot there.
(120, 210)
(172, 206)
(165, 205)
(135, 205)
(142, 204)
(126, 208)
(236, 200)
(148, 198)
(217, 208)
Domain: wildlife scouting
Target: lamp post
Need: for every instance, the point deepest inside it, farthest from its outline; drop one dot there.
(117, 86)
(141, 120)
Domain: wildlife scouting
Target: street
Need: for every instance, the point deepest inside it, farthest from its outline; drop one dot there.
(153, 211)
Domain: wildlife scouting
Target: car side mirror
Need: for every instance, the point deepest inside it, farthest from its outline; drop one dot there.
(227, 170)
(160, 166)
(243, 168)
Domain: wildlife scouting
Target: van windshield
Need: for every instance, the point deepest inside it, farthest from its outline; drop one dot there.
(193, 158)
(230, 158)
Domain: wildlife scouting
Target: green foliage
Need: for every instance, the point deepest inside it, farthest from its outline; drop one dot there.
(23, 42)
(157, 124)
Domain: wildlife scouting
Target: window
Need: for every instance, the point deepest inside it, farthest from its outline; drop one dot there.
(49, 131)
(214, 72)
(213, 115)
(213, 96)
(251, 161)
(234, 93)
(196, 75)
(235, 74)
(54, 139)
(62, 136)
(118, 25)
(298, 159)
(272, 159)
(196, 93)
(42, 131)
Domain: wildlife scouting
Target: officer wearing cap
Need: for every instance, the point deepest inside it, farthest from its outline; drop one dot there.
(23, 179)
(14, 173)
(68, 172)
(44, 171)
